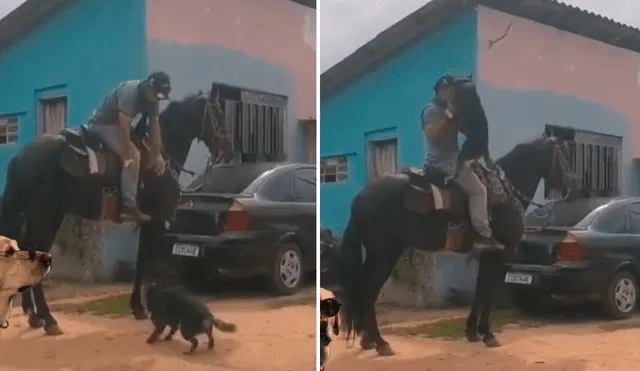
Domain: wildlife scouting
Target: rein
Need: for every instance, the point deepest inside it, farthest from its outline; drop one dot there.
(548, 205)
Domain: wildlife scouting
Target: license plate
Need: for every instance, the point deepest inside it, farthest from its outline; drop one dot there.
(519, 278)
(185, 249)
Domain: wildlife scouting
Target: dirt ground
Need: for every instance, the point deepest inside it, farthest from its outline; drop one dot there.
(273, 334)
(541, 344)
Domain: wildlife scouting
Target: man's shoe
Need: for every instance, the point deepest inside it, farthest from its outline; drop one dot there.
(129, 213)
(488, 243)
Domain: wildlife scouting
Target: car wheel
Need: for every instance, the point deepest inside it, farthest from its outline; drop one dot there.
(621, 297)
(287, 270)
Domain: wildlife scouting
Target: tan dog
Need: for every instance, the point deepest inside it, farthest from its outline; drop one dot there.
(329, 307)
(19, 270)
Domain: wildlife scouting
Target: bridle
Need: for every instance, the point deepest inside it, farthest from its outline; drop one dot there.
(558, 159)
(209, 119)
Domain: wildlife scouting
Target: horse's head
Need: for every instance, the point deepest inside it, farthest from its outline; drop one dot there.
(201, 116)
(556, 164)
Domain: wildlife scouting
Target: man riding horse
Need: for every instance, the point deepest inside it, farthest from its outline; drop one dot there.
(441, 122)
(123, 109)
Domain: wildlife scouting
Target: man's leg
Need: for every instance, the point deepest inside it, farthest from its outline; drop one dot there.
(117, 139)
(478, 210)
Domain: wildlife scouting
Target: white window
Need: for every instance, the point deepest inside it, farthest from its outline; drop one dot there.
(383, 157)
(334, 169)
(8, 130)
(53, 115)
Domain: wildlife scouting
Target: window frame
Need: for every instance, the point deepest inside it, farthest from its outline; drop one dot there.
(374, 145)
(7, 122)
(340, 175)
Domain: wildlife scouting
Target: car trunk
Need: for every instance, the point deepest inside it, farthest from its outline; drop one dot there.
(205, 208)
(539, 246)
(202, 213)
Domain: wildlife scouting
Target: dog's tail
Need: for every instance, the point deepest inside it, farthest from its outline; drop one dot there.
(224, 326)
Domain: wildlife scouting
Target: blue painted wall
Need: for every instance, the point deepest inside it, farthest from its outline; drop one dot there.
(387, 103)
(84, 50)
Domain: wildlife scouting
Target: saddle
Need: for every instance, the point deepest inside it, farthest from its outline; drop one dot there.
(432, 191)
(84, 153)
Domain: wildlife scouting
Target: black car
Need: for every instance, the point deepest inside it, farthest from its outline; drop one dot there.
(596, 258)
(249, 218)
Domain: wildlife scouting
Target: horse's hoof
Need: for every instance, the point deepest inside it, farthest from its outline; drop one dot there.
(491, 342)
(141, 315)
(366, 344)
(53, 330)
(385, 350)
(35, 322)
(473, 336)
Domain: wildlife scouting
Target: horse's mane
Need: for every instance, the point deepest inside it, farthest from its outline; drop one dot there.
(172, 115)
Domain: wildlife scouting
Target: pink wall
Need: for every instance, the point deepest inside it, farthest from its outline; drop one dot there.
(534, 57)
(277, 31)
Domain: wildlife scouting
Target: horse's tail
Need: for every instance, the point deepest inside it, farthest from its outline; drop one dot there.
(349, 273)
(11, 220)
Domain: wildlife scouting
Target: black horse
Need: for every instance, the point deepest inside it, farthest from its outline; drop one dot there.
(51, 177)
(393, 213)
(416, 209)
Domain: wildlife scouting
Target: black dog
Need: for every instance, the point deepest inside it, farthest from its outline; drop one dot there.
(173, 306)
(328, 308)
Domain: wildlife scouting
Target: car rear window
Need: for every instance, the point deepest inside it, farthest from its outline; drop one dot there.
(230, 178)
(566, 214)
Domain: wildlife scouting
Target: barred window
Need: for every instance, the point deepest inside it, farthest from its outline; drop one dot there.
(595, 158)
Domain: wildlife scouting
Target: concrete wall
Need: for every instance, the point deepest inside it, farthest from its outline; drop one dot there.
(267, 45)
(387, 103)
(84, 51)
(539, 75)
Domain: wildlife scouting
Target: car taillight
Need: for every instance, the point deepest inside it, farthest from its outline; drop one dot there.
(237, 218)
(571, 250)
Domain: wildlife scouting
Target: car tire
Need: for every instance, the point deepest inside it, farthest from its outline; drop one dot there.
(621, 297)
(287, 270)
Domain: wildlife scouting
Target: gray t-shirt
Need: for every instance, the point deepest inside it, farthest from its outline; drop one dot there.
(442, 152)
(126, 99)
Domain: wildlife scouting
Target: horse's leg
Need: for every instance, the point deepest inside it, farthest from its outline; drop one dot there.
(137, 307)
(471, 331)
(377, 269)
(495, 271)
(43, 239)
